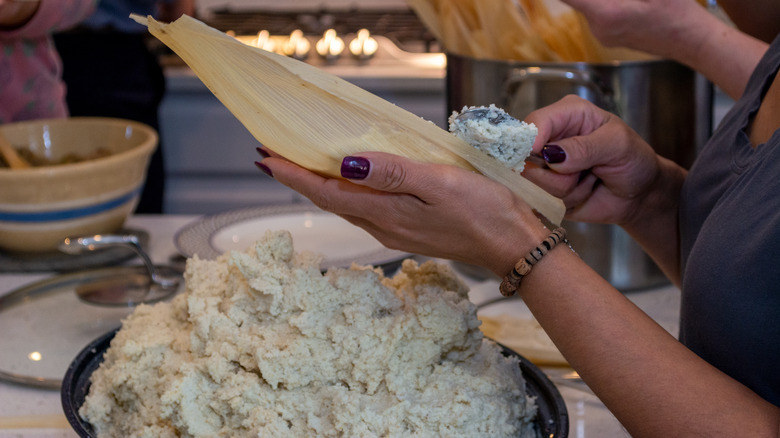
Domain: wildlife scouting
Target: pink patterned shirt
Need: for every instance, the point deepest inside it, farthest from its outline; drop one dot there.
(30, 69)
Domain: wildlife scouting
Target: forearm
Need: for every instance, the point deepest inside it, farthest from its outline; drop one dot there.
(723, 54)
(679, 30)
(653, 384)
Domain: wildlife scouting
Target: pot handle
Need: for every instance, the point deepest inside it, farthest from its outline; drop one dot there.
(588, 79)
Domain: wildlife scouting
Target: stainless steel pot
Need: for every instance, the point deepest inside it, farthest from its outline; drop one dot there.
(668, 104)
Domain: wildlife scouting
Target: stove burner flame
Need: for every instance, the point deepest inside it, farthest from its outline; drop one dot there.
(363, 46)
(297, 45)
(330, 46)
(264, 41)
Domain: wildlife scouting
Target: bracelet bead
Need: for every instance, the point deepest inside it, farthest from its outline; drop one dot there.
(511, 282)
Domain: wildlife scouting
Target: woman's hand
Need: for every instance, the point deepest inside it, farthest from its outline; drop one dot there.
(605, 172)
(601, 168)
(435, 210)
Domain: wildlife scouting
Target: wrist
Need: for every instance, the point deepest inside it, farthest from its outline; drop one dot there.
(688, 34)
(662, 199)
(516, 242)
(511, 282)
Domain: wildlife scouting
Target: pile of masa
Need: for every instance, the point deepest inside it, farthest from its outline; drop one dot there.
(261, 343)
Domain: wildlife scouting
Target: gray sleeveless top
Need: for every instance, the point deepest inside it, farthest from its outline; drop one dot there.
(730, 243)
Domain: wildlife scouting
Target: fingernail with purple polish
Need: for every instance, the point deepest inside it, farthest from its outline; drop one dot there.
(264, 168)
(262, 153)
(553, 154)
(355, 167)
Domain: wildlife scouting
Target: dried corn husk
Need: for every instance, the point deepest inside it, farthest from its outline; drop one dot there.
(516, 30)
(315, 119)
(523, 335)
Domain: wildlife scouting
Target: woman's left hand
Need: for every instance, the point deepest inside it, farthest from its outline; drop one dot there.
(428, 209)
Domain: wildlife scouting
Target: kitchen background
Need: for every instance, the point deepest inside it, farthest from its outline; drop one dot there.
(209, 155)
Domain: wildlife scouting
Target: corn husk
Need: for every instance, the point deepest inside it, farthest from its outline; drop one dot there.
(523, 335)
(516, 30)
(315, 119)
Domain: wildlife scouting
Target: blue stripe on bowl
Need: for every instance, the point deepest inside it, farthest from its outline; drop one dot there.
(73, 213)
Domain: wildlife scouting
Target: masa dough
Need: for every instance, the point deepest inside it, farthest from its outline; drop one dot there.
(495, 133)
(263, 344)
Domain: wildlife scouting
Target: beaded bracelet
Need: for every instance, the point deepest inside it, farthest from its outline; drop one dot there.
(512, 281)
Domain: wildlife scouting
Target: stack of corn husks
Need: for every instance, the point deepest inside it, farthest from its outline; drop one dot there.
(517, 30)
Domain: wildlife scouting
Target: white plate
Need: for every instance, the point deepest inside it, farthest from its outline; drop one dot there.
(312, 229)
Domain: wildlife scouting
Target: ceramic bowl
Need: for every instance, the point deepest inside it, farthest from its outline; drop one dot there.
(42, 205)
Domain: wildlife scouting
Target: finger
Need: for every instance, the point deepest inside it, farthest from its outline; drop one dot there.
(570, 116)
(398, 238)
(265, 152)
(612, 144)
(580, 194)
(290, 174)
(335, 195)
(339, 197)
(395, 174)
(554, 183)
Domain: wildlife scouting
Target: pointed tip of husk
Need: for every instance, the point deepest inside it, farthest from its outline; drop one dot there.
(140, 19)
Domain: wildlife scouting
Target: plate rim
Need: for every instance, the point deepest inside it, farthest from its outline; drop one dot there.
(206, 227)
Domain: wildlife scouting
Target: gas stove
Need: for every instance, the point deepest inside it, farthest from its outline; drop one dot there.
(401, 27)
(351, 43)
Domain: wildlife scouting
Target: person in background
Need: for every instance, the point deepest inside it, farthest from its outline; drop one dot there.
(31, 85)
(110, 71)
(714, 230)
(684, 32)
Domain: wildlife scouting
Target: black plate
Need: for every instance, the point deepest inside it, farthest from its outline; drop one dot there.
(552, 419)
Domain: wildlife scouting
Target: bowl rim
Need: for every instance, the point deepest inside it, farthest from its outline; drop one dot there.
(148, 145)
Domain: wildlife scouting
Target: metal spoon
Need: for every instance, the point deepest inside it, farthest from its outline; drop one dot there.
(484, 113)
(125, 290)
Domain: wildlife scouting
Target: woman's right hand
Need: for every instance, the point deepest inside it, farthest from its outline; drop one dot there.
(606, 173)
(599, 166)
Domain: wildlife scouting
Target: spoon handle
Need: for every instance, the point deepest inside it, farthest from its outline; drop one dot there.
(77, 245)
(10, 155)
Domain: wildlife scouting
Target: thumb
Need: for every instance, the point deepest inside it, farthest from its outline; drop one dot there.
(608, 145)
(386, 172)
(566, 156)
